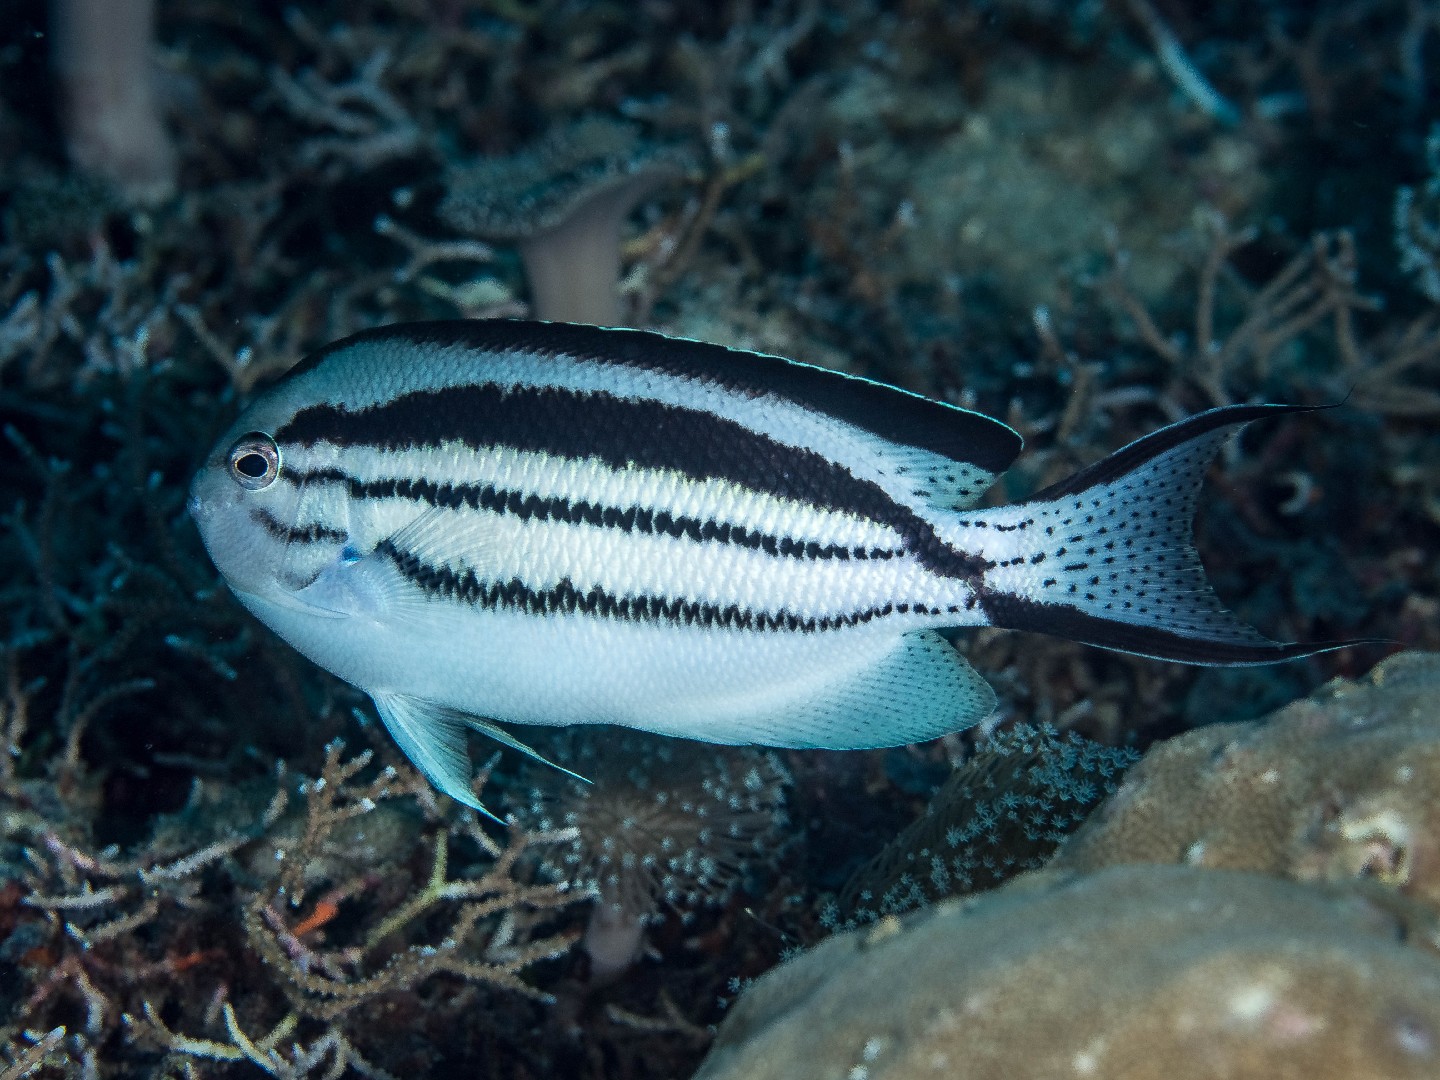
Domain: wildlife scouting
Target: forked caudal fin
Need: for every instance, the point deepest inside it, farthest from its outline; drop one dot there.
(1106, 557)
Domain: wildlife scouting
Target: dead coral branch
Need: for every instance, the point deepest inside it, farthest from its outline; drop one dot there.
(1317, 284)
(489, 918)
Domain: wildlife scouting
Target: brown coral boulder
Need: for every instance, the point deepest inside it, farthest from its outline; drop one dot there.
(1133, 973)
(1339, 785)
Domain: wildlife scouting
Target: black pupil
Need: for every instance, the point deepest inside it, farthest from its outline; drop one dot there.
(252, 465)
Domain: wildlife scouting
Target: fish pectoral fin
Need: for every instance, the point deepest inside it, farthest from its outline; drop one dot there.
(918, 690)
(433, 738)
(446, 535)
(370, 586)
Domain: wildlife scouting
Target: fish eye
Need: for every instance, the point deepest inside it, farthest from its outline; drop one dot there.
(255, 461)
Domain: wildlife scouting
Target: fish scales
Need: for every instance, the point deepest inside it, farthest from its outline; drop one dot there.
(553, 524)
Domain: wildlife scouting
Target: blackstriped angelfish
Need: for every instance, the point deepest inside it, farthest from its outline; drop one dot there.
(554, 524)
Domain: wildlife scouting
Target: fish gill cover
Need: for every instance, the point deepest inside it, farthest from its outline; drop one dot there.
(1086, 220)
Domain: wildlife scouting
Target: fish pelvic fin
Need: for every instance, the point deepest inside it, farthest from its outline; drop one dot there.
(434, 741)
(433, 738)
(1107, 556)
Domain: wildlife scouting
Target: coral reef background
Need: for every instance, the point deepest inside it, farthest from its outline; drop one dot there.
(1085, 218)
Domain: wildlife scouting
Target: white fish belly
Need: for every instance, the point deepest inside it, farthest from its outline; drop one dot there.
(715, 684)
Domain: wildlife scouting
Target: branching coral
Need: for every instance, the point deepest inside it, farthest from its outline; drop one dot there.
(326, 983)
(1417, 224)
(1244, 335)
(24, 1055)
(85, 929)
(122, 935)
(1316, 285)
(370, 126)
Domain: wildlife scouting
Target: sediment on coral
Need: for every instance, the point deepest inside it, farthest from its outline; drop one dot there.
(1338, 786)
(1134, 973)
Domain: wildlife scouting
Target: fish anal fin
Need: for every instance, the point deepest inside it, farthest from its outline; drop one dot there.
(918, 690)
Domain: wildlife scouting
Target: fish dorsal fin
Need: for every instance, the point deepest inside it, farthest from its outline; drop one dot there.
(934, 481)
(889, 413)
(433, 737)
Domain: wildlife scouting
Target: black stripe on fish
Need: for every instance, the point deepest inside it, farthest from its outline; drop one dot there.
(582, 512)
(310, 533)
(565, 598)
(623, 433)
(886, 411)
(1062, 620)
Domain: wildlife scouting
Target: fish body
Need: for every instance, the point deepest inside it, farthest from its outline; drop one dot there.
(551, 524)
